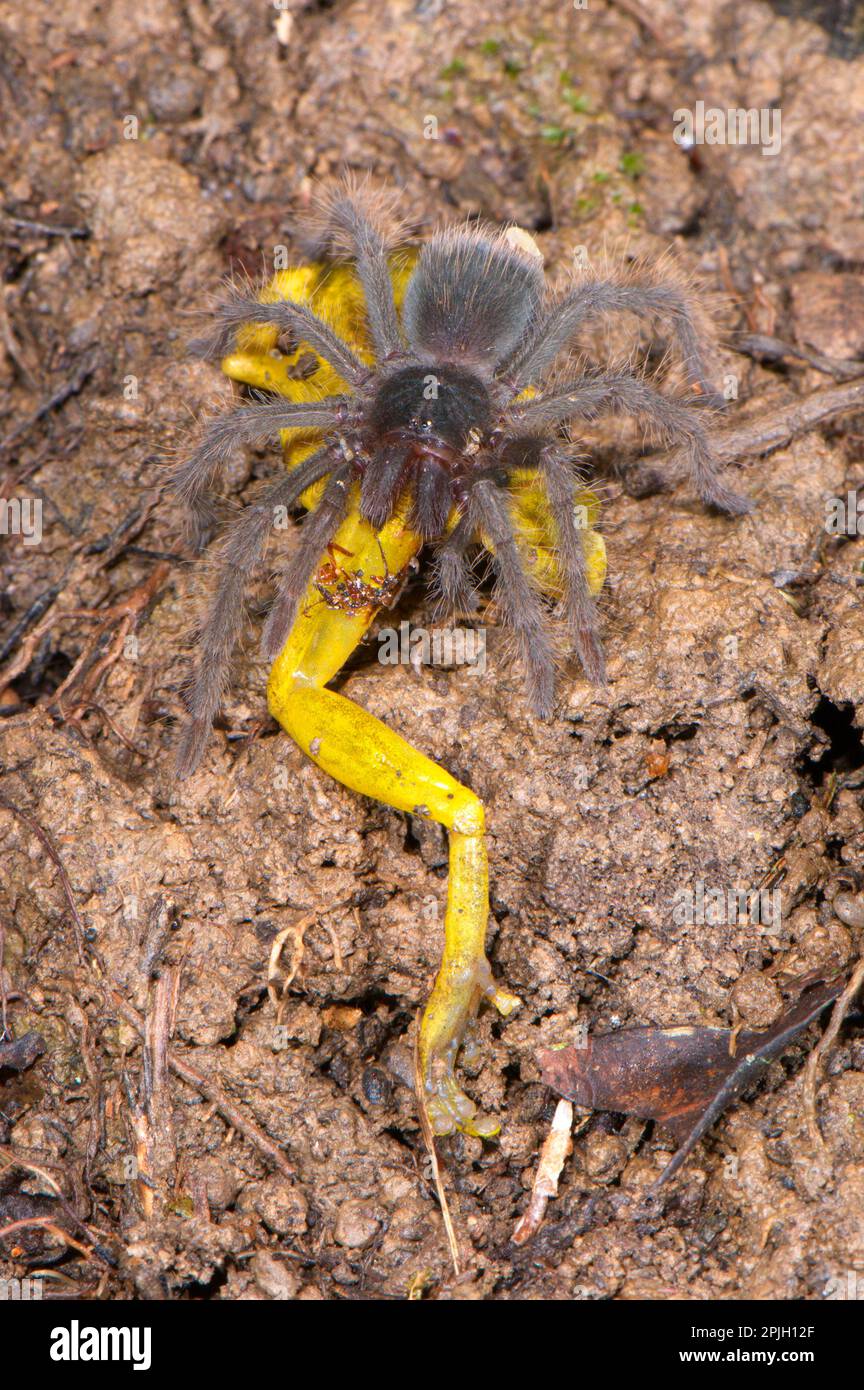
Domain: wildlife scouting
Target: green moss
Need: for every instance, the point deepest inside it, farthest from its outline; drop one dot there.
(455, 69)
(600, 176)
(492, 47)
(632, 164)
(577, 101)
(553, 134)
(511, 67)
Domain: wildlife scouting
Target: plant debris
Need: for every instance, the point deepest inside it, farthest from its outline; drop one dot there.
(683, 1077)
(557, 1148)
(21, 1053)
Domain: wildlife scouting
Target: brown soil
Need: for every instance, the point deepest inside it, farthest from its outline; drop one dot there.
(736, 647)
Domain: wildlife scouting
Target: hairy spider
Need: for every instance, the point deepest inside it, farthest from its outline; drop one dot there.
(431, 426)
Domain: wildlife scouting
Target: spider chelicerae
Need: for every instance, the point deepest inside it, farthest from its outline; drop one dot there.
(453, 407)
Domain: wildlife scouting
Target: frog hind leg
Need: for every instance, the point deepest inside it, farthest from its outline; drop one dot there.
(363, 754)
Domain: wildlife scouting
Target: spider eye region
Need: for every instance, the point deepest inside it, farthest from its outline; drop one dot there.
(439, 404)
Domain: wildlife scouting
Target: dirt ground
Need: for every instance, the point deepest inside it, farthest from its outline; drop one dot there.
(152, 146)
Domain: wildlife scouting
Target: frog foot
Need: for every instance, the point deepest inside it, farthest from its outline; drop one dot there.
(451, 1007)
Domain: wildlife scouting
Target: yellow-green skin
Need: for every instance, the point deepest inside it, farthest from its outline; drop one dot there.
(344, 740)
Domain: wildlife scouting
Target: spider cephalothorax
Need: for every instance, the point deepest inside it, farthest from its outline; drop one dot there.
(451, 410)
(425, 426)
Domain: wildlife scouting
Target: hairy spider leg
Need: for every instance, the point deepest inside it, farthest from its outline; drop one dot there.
(363, 754)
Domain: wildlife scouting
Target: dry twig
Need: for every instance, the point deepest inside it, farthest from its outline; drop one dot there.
(555, 1152)
(229, 1111)
(50, 848)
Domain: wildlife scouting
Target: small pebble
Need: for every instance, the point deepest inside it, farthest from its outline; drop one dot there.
(356, 1224)
(849, 907)
(273, 1278)
(757, 999)
(175, 94)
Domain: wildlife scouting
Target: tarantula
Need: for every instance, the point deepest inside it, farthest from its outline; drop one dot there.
(453, 406)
